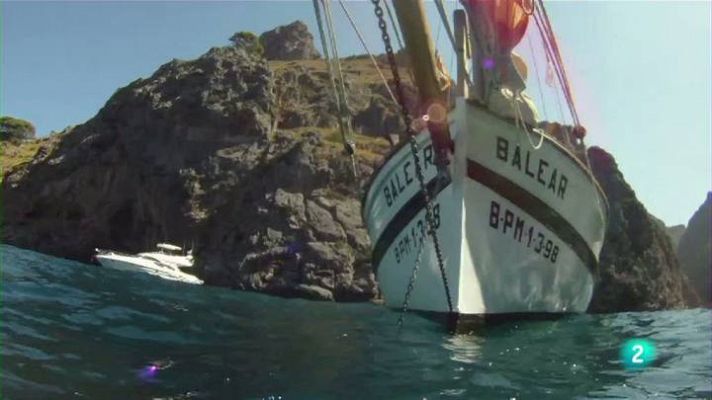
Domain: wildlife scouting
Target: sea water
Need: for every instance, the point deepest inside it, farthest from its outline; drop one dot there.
(76, 331)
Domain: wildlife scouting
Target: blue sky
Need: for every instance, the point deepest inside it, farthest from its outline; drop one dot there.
(640, 71)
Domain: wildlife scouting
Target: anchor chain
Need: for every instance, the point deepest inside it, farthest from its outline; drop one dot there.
(411, 284)
(429, 218)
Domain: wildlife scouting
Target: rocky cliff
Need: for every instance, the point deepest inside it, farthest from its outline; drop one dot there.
(240, 156)
(638, 265)
(694, 251)
(230, 152)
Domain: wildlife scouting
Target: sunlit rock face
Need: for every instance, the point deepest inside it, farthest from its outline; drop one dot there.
(201, 154)
(638, 266)
(134, 174)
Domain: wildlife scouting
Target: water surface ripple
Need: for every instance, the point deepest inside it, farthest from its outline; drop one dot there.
(75, 331)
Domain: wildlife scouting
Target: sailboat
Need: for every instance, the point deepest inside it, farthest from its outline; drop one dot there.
(484, 212)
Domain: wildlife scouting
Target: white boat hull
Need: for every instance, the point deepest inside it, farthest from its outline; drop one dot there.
(131, 263)
(516, 236)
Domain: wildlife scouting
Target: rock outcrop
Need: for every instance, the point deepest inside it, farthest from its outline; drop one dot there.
(289, 42)
(694, 251)
(135, 173)
(305, 98)
(638, 266)
(292, 227)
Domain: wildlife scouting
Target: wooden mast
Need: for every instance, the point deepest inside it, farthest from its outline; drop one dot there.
(419, 45)
(413, 22)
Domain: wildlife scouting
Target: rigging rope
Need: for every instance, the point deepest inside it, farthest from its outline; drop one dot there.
(538, 78)
(541, 18)
(484, 41)
(557, 53)
(401, 46)
(452, 55)
(551, 62)
(520, 123)
(334, 67)
(335, 59)
(429, 217)
(394, 25)
(437, 36)
(370, 55)
(325, 48)
(444, 22)
(451, 36)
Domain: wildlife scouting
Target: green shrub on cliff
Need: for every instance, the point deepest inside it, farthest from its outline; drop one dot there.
(16, 129)
(249, 41)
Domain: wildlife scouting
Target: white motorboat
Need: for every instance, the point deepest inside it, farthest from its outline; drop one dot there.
(167, 262)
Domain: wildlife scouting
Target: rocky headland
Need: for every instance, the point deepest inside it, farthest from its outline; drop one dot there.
(237, 154)
(694, 251)
(639, 269)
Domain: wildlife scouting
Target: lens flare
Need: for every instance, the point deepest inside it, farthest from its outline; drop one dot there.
(148, 372)
(488, 63)
(437, 113)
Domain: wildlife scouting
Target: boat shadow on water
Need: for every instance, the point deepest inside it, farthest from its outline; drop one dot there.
(473, 324)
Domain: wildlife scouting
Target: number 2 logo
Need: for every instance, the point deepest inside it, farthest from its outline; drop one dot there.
(638, 349)
(637, 353)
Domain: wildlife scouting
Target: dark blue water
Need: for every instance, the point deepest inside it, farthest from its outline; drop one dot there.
(74, 331)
